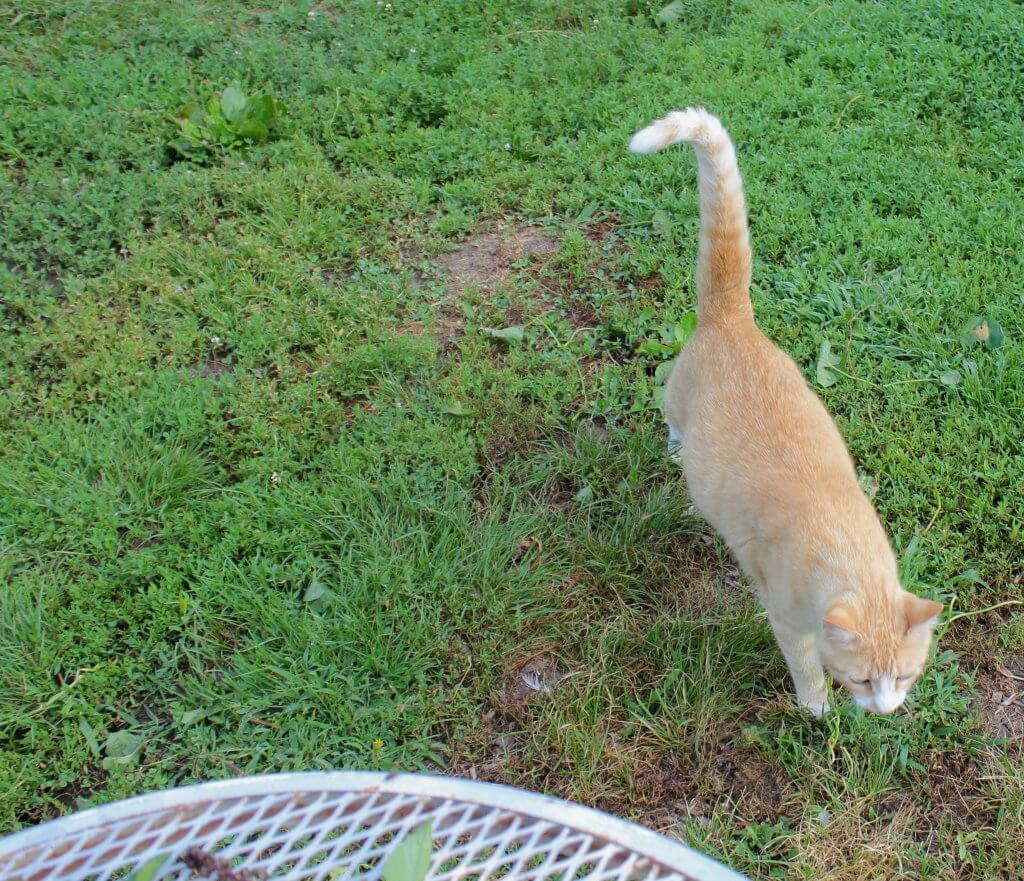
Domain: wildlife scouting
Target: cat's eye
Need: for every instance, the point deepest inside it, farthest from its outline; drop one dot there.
(861, 681)
(903, 678)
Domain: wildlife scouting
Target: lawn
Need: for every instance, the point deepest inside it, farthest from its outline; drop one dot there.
(342, 449)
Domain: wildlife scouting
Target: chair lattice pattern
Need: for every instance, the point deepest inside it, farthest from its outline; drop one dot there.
(333, 836)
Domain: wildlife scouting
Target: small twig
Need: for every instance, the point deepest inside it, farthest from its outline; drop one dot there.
(931, 522)
(330, 122)
(539, 31)
(50, 701)
(232, 767)
(971, 614)
(1010, 675)
(849, 103)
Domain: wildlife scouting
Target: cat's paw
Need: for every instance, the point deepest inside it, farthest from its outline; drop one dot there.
(816, 708)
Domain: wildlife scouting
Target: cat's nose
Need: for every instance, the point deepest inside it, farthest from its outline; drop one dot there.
(885, 703)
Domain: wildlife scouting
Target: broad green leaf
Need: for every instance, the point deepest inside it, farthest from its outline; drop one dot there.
(673, 12)
(663, 371)
(411, 859)
(584, 495)
(952, 378)
(183, 148)
(232, 103)
(192, 111)
(514, 334)
(658, 399)
(122, 748)
(190, 131)
(827, 360)
(456, 408)
(90, 737)
(262, 109)
(252, 128)
(148, 870)
(686, 327)
(983, 329)
(661, 223)
(656, 347)
(315, 591)
(191, 716)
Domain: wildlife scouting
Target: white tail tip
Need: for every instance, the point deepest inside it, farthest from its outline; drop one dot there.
(648, 140)
(692, 124)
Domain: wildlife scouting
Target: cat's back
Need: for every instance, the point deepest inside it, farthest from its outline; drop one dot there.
(743, 409)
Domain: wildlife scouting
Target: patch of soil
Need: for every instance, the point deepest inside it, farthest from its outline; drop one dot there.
(1000, 701)
(536, 675)
(508, 437)
(757, 787)
(212, 368)
(697, 579)
(140, 543)
(486, 259)
(450, 326)
(602, 232)
(335, 277)
(482, 264)
(582, 314)
(651, 284)
(495, 753)
(42, 265)
(953, 781)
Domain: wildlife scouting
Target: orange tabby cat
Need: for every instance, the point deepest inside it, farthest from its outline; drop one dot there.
(768, 468)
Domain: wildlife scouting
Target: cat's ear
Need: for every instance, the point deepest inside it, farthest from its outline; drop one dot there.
(840, 624)
(923, 614)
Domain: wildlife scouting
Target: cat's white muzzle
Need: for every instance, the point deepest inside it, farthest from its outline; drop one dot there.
(883, 702)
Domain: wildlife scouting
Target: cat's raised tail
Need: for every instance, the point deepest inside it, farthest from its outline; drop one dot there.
(723, 254)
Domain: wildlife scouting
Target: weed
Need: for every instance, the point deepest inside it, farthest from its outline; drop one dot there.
(227, 121)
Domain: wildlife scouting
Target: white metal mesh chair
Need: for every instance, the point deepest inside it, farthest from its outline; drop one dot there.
(341, 826)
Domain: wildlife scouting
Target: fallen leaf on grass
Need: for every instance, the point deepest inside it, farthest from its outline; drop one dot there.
(827, 360)
(673, 12)
(121, 748)
(411, 859)
(456, 408)
(513, 334)
(983, 329)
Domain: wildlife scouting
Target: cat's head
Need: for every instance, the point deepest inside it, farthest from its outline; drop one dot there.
(878, 653)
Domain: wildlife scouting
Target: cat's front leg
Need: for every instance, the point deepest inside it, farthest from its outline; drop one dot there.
(801, 654)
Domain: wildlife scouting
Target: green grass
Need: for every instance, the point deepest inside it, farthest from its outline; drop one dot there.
(271, 498)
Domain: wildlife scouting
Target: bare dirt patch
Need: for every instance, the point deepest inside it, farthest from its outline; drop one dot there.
(1000, 701)
(487, 259)
(537, 675)
(211, 368)
(45, 280)
(335, 277)
(757, 787)
(481, 266)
